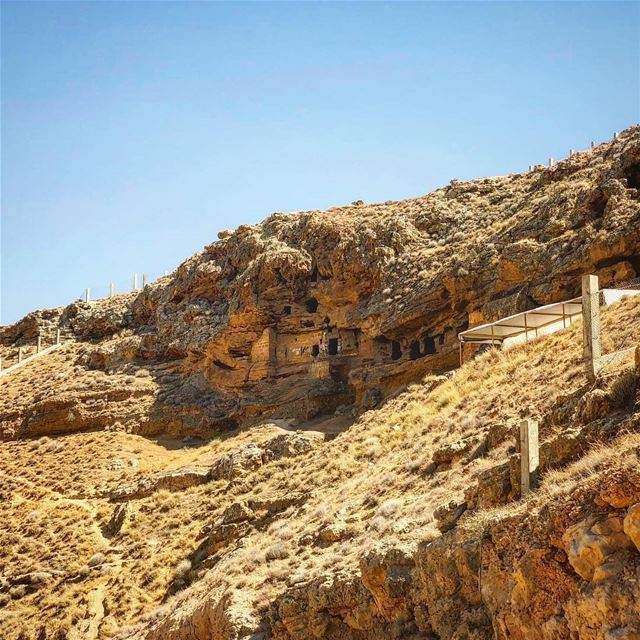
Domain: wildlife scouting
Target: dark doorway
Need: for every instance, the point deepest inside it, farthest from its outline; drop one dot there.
(429, 345)
(333, 346)
(315, 350)
(414, 350)
(287, 310)
(396, 351)
(311, 305)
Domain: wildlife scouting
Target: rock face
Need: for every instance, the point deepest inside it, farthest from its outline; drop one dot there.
(287, 318)
(510, 581)
(408, 524)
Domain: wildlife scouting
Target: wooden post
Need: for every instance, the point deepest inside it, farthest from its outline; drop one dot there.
(111, 290)
(529, 456)
(592, 352)
(19, 354)
(135, 281)
(39, 344)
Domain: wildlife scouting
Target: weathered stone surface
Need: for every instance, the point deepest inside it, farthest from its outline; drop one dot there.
(447, 515)
(592, 543)
(286, 318)
(451, 452)
(632, 524)
(237, 512)
(175, 480)
(251, 456)
(242, 460)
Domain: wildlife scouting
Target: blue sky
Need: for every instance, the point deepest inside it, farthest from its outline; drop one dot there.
(133, 132)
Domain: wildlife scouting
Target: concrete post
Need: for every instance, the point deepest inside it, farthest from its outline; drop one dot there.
(111, 290)
(144, 280)
(615, 135)
(19, 354)
(571, 152)
(529, 456)
(593, 144)
(58, 335)
(135, 281)
(550, 163)
(592, 351)
(166, 273)
(39, 344)
(87, 294)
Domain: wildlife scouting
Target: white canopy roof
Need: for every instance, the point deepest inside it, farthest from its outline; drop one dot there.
(541, 320)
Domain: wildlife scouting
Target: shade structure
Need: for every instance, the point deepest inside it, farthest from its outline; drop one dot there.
(549, 318)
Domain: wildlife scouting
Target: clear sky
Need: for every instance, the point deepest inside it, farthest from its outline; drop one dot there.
(133, 132)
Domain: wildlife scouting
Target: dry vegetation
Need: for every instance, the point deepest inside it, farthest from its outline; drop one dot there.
(379, 479)
(374, 481)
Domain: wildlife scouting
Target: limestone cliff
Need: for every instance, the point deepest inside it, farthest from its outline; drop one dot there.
(308, 311)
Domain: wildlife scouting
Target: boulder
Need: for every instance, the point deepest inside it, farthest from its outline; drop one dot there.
(632, 524)
(591, 545)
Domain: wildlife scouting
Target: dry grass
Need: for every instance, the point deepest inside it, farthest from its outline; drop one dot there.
(374, 481)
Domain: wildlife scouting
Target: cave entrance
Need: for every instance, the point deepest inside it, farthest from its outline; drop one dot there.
(414, 350)
(315, 350)
(333, 346)
(287, 310)
(632, 173)
(396, 350)
(429, 345)
(311, 305)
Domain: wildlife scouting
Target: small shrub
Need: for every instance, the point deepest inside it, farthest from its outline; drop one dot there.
(278, 551)
(182, 569)
(388, 508)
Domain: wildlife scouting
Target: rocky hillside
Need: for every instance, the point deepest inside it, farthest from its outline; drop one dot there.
(307, 312)
(276, 440)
